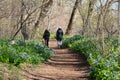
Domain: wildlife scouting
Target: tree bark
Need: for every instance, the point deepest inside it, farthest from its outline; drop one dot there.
(69, 27)
(87, 21)
(102, 16)
(119, 23)
(100, 32)
(23, 21)
(23, 25)
(46, 5)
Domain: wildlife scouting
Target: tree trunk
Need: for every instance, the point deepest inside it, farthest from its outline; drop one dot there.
(119, 22)
(69, 27)
(46, 5)
(101, 23)
(87, 21)
(102, 16)
(22, 22)
(23, 25)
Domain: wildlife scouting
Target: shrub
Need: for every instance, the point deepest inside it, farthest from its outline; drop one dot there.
(52, 35)
(20, 52)
(67, 42)
(102, 67)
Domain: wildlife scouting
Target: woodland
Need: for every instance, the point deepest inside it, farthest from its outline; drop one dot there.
(91, 29)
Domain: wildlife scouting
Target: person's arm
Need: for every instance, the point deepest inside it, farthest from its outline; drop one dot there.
(62, 33)
(49, 34)
(56, 34)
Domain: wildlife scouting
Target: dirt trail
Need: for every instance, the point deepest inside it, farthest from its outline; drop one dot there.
(64, 65)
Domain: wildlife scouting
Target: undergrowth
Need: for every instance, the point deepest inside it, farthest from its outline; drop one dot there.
(104, 63)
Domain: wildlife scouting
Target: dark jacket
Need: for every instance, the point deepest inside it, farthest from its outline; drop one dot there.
(59, 34)
(46, 34)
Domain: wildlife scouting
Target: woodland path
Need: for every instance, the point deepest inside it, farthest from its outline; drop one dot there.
(64, 65)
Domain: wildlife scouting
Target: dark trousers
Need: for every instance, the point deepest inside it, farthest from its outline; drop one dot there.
(47, 42)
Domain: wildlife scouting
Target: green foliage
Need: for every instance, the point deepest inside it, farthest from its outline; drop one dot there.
(20, 52)
(112, 45)
(1, 77)
(66, 37)
(52, 35)
(67, 42)
(105, 68)
(102, 66)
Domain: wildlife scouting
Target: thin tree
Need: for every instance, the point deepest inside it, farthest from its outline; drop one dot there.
(23, 25)
(119, 22)
(86, 23)
(23, 19)
(46, 5)
(101, 22)
(69, 27)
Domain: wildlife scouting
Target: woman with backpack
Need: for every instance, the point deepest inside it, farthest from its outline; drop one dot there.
(59, 36)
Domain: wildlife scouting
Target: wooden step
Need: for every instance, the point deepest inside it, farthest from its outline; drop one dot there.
(66, 63)
(66, 56)
(65, 60)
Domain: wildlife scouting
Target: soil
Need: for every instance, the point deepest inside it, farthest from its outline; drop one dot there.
(64, 65)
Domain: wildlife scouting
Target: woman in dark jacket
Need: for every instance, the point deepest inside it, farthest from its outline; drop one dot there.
(59, 35)
(46, 37)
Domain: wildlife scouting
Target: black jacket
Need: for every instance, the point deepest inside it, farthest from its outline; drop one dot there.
(59, 34)
(46, 34)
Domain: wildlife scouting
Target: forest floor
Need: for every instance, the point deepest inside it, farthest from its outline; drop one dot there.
(64, 65)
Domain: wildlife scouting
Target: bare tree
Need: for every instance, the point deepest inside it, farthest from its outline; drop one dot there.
(46, 5)
(86, 23)
(23, 25)
(102, 15)
(104, 9)
(26, 12)
(119, 22)
(29, 20)
(69, 27)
